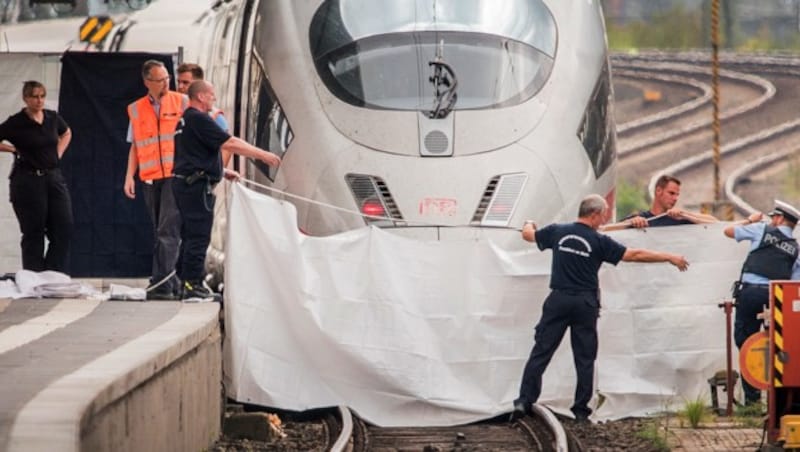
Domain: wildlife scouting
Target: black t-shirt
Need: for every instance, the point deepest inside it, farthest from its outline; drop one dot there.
(197, 145)
(37, 144)
(578, 253)
(666, 220)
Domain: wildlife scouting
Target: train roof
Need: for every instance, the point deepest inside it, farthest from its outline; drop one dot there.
(162, 27)
(166, 25)
(54, 35)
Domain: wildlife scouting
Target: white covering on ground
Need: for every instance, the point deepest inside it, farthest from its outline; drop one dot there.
(410, 332)
(46, 284)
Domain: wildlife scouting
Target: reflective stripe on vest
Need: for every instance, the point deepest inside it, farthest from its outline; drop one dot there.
(154, 137)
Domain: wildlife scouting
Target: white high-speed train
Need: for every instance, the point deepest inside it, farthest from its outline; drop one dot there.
(450, 118)
(432, 112)
(469, 114)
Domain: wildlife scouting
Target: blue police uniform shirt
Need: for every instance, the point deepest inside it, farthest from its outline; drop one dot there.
(754, 232)
(222, 122)
(578, 253)
(666, 220)
(197, 145)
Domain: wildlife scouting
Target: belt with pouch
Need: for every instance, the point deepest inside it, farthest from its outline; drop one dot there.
(191, 179)
(758, 286)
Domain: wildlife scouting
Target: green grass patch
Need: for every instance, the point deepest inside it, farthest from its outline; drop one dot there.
(751, 416)
(674, 28)
(630, 198)
(681, 27)
(694, 412)
(791, 179)
(653, 433)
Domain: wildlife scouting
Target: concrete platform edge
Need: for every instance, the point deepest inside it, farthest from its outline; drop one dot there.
(60, 416)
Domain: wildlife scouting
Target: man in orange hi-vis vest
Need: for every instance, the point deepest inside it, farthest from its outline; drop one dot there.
(152, 136)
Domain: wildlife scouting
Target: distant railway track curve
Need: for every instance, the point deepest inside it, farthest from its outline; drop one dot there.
(677, 140)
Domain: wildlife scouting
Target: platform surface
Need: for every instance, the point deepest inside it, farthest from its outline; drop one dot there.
(49, 345)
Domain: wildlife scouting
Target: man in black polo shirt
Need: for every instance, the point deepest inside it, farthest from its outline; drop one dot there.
(199, 142)
(663, 211)
(578, 252)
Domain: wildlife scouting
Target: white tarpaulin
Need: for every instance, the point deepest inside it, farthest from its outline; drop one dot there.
(411, 332)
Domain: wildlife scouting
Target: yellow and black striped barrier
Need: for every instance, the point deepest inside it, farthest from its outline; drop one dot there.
(779, 350)
(95, 29)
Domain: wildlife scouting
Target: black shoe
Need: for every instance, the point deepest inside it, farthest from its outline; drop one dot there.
(582, 419)
(161, 293)
(197, 292)
(520, 410)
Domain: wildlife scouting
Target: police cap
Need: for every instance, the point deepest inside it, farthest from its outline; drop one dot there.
(788, 212)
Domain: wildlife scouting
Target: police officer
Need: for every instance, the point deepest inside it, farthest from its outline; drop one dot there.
(773, 255)
(578, 252)
(198, 167)
(38, 190)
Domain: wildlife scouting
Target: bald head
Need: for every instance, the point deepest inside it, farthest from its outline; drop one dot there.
(199, 87)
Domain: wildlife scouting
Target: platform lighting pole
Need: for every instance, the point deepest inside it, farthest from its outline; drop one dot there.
(715, 87)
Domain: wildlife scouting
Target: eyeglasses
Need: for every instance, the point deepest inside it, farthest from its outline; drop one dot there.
(36, 96)
(185, 82)
(158, 80)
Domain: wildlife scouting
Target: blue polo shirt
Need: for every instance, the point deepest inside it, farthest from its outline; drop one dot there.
(578, 253)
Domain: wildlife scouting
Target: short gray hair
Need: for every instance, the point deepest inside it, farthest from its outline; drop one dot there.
(150, 64)
(591, 204)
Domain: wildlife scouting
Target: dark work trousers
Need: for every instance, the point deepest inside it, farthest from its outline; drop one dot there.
(196, 203)
(43, 207)
(578, 311)
(751, 301)
(166, 231)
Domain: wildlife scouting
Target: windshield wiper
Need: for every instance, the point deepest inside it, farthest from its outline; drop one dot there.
(445, 83)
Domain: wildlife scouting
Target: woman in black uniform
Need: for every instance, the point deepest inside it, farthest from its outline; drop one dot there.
(38, 190)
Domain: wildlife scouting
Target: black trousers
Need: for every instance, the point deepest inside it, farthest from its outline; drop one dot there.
(750, 302)
(196, 204)
(43, 207)
(577, 311)
(166, 220)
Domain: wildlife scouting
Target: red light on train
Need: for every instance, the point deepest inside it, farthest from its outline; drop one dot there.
(373, 207)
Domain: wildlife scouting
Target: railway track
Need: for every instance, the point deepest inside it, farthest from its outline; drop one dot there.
(677, 139)
(340, 430)
(540, 432)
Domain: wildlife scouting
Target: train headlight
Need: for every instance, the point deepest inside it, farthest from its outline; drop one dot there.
(373, 207)
(374, 199)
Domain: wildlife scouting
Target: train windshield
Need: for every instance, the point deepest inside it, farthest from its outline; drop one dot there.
(379, 54)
